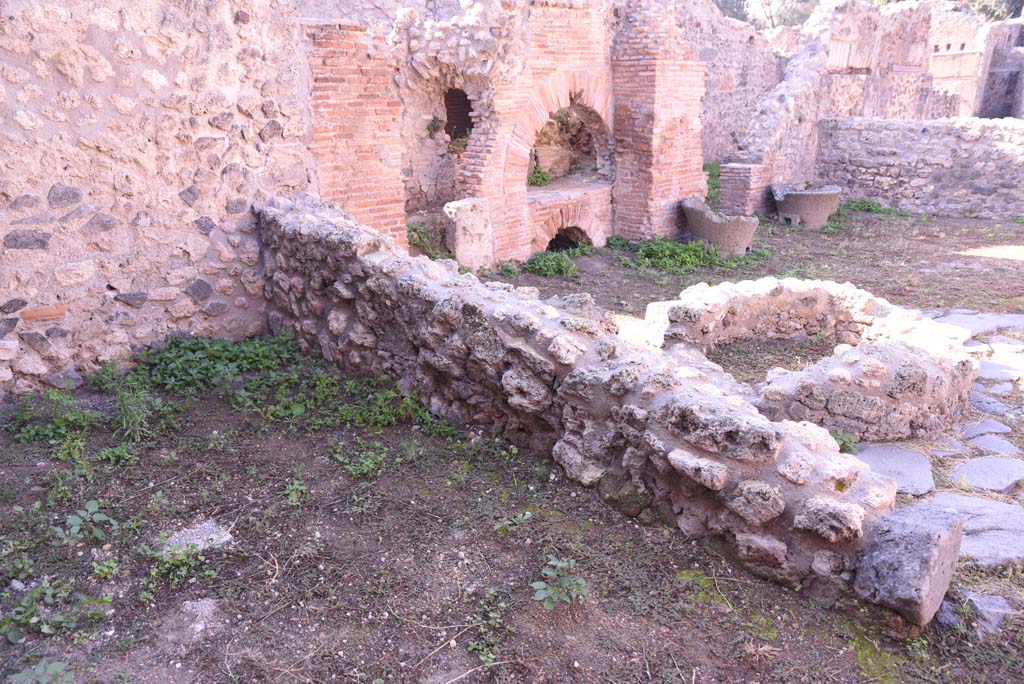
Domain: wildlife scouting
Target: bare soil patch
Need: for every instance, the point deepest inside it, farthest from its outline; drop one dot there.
(399, 552)
(929, 263)
(750, 360)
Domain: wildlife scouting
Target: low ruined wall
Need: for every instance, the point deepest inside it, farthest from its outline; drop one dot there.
(951, 167)
(135, 138)
(660, 429)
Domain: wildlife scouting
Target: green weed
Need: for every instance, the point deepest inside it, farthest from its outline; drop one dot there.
(847, 441)
(367, 462)
(491, 629)
(43, 672)
(294, 491)
(558, 586)
(422, 240)
(85, 522)
(121, 455)
(172, 566)
(869, 206)
(63, 426)
(538, 177)
(106, 570)
(714, 172)
(507, 526)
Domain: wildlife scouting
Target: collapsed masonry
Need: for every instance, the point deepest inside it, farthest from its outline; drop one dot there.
(662, 429)
(895, 374)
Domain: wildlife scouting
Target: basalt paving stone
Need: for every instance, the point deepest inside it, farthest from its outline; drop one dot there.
(986, 426)
(996, 444)
(911, 469)
(993, 531)
(948, 446)
(991, 473)
(987, 404)
(979, 323)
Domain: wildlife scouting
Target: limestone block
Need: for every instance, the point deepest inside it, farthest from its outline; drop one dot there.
(910, 558)
(469, 233)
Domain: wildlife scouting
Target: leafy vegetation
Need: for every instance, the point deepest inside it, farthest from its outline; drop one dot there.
(538, 177)
(714, 172)
(434, 126)
(558, 586)
(172, 566)
(869, 206)
(508, 526)
(86, 522)
(121, 455)
(294, 491)
(680, 258)
(422, 240)
(847, 441)
(366, 462)
(63, 425)
(551, 264)
(491, 629)
(43, 672)
(460, 144)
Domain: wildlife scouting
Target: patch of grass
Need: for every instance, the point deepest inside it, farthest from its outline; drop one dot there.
(136, 409)
(558, 585)
(869, 206)
(50, 607)
(366, 463)
(680, 258)
(106, 570)
(43, 672)
(551, 264)
(173, 567)
(1018, 220)
(422, 240)
(701, 585)
(617, 242)
(62, 425)
(538, 177)
(714, 172)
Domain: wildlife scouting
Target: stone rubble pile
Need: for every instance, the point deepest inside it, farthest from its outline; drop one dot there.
(894, 374)
(653, 428)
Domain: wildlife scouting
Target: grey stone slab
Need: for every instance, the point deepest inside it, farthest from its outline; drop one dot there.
(996, 444)
(1002, 389)
(990, 610)
(911, 469)
(991, 473)
(993, 531)
(986, 426)
(1005, 367)
(948, 446)
(987, 404)
(979, 323)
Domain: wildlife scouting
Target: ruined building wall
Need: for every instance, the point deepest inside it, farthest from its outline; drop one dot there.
(1003, 92)
(950, 167)
(959, 55)
(135, 138)
(741, 66)
(665, 430)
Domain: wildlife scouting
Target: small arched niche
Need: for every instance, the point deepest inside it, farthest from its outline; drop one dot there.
(458, 111)
(573, 142)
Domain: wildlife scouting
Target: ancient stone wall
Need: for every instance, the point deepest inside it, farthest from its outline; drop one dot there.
(1003, 92)
(741, 66)
(951, 167)
(661, 430)
(135, 137)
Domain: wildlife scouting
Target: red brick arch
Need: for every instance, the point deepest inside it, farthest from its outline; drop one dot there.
(515, 237)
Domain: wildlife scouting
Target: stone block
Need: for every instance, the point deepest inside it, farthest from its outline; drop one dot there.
(469, 233)
(909, 559)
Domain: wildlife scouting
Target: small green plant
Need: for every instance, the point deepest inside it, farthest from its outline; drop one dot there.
(847, 441)
(121, 455)
(538, 177)
(434, 126)
(106, 570)
(1019, 220)
(714, 172)
(459, 144)
(366, 463)
(86, 522)
(294, 491)
(559, 585)
(107, 378)
(173, 566)
(491, 629)
(507, 526)
(17, 568)
(551, 264)
(45, 609)
(43, 672)
(422, 240)
(136, 407)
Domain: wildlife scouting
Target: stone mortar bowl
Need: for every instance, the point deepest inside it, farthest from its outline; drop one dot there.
(732, 235)
(810, 207)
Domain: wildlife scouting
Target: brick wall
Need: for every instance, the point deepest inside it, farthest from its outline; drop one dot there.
(356, 136)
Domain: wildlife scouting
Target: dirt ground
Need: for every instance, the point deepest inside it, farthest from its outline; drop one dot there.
(401, 553)
(929, 263)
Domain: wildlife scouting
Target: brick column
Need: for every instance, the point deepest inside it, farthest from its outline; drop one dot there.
(658, 85)
(356, 137)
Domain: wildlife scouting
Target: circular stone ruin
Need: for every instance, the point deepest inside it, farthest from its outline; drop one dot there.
(894, 373)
